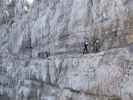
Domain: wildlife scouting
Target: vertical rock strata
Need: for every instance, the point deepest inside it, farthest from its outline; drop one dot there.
(42, 45)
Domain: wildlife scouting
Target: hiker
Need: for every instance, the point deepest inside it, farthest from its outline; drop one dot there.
(96, 46)
(45, 54)
(85, 49)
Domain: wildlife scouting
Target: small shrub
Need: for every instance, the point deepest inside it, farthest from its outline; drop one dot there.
(115, 98)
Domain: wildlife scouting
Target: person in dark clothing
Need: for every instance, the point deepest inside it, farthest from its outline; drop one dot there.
(47, 54)
(43, 54)
(85, 49)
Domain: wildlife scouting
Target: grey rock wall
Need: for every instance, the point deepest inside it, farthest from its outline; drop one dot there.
(41, 50)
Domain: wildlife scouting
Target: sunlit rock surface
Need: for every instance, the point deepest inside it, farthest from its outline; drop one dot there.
(42, 46)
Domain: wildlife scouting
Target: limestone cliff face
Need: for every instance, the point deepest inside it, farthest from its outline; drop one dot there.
(61, 26)
(42, 45)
